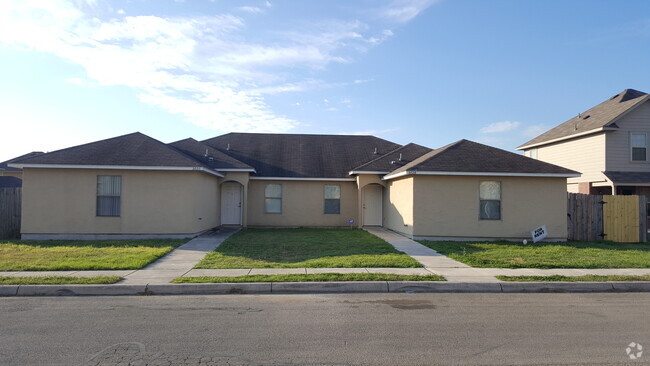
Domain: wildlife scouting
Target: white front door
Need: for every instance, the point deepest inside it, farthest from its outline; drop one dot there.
(231, 204)
(372, 197)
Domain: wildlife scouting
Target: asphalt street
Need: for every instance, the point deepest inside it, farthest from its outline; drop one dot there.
(354, 329)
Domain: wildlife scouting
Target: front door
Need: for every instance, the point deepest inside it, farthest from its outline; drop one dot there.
(231, 204)
(372, 197)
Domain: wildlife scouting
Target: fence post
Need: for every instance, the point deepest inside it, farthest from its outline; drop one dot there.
(643, 219)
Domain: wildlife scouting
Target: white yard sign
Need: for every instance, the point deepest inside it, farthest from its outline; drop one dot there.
(539, 234)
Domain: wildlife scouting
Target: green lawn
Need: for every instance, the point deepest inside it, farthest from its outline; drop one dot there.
(600, 254)
(317, 277)
(305, 247)
(586, 278)
(58, 280)
(82, 255)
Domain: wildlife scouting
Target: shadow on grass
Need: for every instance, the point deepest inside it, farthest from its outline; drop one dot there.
(126, 243)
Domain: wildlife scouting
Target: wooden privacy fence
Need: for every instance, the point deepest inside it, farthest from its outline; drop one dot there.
(597, 217)
(10, 212)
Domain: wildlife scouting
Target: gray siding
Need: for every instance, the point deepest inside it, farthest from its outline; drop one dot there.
(618, 142)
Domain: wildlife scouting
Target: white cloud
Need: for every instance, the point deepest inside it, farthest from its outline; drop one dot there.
(202, 68)
(403, 11)
(499, 127)
(534, 130)
(251, 9)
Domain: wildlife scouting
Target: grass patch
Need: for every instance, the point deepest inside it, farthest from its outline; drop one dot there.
(58, 280)
(60, 255)
(602, 254)
(305, 247)
(586, 278)
(316, 277)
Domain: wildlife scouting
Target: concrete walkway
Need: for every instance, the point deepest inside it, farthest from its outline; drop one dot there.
(180, 263)
(454, 271)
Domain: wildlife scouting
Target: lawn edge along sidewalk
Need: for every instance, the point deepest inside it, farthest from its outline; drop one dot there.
(322, 287)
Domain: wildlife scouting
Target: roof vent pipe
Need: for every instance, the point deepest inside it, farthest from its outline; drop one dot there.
(400, 157)
(375, 152)
(206, 153)
(228, 147)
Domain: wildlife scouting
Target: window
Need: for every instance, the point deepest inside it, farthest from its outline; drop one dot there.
(332, 199)
(490, 200)
(273, 198)
(533, 153)
(109, 190)
(639, 147)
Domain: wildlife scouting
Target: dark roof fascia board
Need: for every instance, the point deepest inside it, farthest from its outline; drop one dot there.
(116, 167)
(483, 174)
(581, 134)
(306, 179)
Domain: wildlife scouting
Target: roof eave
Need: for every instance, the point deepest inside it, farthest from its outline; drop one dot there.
(590, 132)
(483, 174)
(359, 172)
(119, 167)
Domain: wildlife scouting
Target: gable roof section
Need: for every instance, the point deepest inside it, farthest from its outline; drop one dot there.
(209, 156)
(599, 118)
(5, 168)
(132, 151)
(470, 158)
(301, 156)
(391, 161)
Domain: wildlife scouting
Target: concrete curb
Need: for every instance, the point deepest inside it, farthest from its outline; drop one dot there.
(322, 287)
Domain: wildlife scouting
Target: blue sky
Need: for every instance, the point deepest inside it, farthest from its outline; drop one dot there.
(423, 71)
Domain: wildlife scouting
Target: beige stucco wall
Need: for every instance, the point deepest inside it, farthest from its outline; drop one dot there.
(447, 206)
(398, 205)
(302, 204)
(585, 155)
(63, 201)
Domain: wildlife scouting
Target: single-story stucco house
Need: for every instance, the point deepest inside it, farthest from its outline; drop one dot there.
(136, 186)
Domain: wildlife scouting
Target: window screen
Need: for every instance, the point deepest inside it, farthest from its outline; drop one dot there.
(109, 192)
(332, 199)
(273, 198)
(490, 200)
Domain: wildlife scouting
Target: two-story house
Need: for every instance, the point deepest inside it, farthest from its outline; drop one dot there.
(608, 144)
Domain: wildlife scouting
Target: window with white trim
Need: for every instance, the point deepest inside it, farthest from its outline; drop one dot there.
(490, 200)
(638, 146)
(332, 203)
(109, 195)
(273, 198)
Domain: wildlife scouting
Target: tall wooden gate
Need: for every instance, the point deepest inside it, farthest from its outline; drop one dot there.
(621, 218)
(10, 212)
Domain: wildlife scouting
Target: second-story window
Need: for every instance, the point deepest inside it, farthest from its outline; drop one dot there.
(638, 143)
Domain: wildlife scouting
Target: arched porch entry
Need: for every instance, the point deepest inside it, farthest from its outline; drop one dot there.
(371, 204)
(231, 203)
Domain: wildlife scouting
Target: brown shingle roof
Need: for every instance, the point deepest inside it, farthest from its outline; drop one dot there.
(628, 177)
(135, 149)
(5, 168)
(471, 157)
(215, 159)
(301, 156)
(602, 115)
(391, 161)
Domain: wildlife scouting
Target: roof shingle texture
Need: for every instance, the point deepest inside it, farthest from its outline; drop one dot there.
(10, 182)
(472, 157)
(391, 161)
(599, 116)
(301, 156)
(5, 168)
(135, 149)
(628, 177)
(215, 159)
